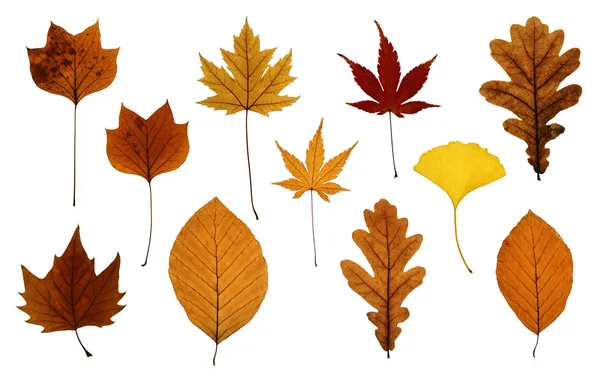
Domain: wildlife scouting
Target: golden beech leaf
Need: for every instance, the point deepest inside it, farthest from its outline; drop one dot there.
(218, 271)
(317, 175)
(535, 273)
(388, 250)
(533, 62)
(71, 295)
(147, 147)
(458, 169)
(74, 67)
(250, 84)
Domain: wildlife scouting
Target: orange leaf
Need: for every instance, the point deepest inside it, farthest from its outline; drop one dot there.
(535, 273)
(71, 295)
(147, 147)
(388, 250)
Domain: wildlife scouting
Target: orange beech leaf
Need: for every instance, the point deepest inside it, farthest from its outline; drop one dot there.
(535, 273)
(74, 67)
(536, 69)
(147, 147)
(71, 295)
(389, 94)
(316, 176)
(388, 251)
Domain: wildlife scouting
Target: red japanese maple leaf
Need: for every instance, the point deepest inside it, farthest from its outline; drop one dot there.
(389, 94)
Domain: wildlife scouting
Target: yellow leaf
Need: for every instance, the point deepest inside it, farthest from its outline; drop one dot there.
(218, 271)
(458, 169)
(388, 250)
(253, 85)
(315, 176)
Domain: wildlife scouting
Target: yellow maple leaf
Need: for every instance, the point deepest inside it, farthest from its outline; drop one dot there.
(253, 85)
(459, 169)
(316, 175)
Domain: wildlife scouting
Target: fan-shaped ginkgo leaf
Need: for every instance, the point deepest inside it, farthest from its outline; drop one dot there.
(147, 147)
(71, 295)
(218, 271)
(535, 273)
(388, 250)
(458, 169)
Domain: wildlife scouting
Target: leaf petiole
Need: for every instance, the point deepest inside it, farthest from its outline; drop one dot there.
(312, 216)
(392, 144)
(249, 171)
(458, 245)
(150, 234)
(88, 354)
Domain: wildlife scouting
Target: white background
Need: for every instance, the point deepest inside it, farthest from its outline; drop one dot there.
(310, 325)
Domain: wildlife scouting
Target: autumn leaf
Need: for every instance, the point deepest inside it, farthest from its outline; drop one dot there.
(390, 95)
(536, 69)
(74, 67)
(71, 295)
(388, 250)
(535, 273)
(459, 169)
(147, 147)
(316, 176)
(250, 84)
(218, 271)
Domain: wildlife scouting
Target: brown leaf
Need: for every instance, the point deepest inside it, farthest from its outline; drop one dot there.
(536, 69)
(535, 273)
(73, 66)
(388, 250)
(71, 295)
(147, 147)
(218, 271)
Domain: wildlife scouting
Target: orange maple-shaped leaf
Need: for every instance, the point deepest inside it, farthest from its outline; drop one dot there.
(74, 67)
(147, 147)
(536, 69)
(535, 273)
(388, 250)
(317, 175)
(71, 295)
(251, 84)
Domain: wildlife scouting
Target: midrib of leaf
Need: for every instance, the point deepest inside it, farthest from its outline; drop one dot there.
(387, 244)
(535, 111)
(537, 295)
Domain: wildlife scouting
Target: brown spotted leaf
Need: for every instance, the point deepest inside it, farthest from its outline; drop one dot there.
(388, 250)
(71, 295)
(218, 271)
(147, 147)
(535, 273)
(536, 68)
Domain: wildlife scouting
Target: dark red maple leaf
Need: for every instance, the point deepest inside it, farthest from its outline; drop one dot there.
(389, 93)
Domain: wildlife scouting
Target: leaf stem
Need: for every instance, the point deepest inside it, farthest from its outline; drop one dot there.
(150, 234)
(457, 244)
(392, 144)
(215, 356)
(249, 171)
(74, 150)
(537, 340)
(312, 216)
(88, 354)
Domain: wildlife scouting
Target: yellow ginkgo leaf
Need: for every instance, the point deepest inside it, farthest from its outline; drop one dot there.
(458, 169)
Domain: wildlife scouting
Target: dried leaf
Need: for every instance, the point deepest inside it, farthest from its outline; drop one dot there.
(317, 175)
(74, 67)
(535, 273)
(458, 169)
(71, 295)
(147, 147)
(390, 95)
(388, 250)
(253, 85)
(218, 271)
(536, 69)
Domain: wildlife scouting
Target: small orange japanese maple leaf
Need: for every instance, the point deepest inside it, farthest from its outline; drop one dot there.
(74, 67)
(71, 295)
(389, 94)
(316, 176)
